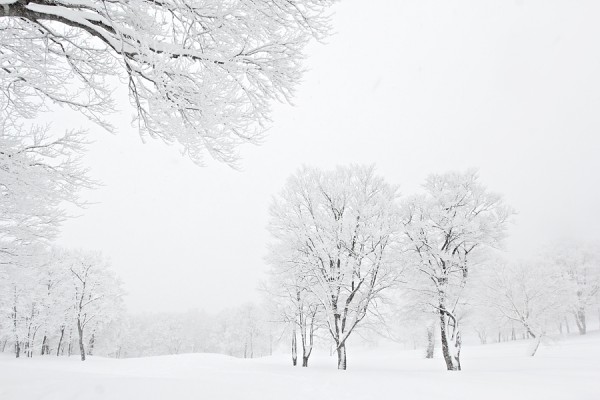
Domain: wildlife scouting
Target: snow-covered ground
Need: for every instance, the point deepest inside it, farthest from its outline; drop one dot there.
(564, 369)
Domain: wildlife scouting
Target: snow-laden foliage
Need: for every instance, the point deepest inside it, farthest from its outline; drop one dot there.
(339, 229)
(39, 172)
(292, 301)
(201, 74)
(532, 295)
(445, 229)
(579, 267)
(62, 297)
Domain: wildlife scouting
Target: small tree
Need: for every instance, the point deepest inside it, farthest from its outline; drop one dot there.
(290, 291)
(579, 266)
(96, 292)
(445, 229)
(529, 294)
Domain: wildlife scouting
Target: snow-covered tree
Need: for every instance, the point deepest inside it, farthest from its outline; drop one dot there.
(44, 301)
(529, 294)
(579, 266)
(39, 172)
(342, 226)
(96, 295)
(446, 230)
(200, 74)
(295, 305)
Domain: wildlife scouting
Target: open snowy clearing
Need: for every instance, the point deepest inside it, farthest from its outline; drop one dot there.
(565, 369)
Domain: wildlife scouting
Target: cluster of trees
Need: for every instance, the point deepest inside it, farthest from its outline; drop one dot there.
(347, 248)
(540, 296)
(245, 331)
(58, 304)
(49, 298)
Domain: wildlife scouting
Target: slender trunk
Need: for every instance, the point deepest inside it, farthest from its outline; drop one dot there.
(91, 344)
(251, 345)
(45, 345)
(294, 349)
(567, 325)
(451, 342)
(307, 347)
(62, 333)
(307, 337)
(341, 354)
(16, 334)
(430, 342)
(537, 344)
(81, 347)
(580, 320)
(32, 342)
(70, 347)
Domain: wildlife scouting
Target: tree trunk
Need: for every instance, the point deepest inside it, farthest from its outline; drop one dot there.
(17, 345)
(294, 349)
(482, 334)
(537, 344)
(430, 342)
(341, 353)
(307, 335)
(251, 345)
(81, 347)
(567, 325)
(91, 344)
(45, 346)
(62, 333)
(580, 321)
(451, 341)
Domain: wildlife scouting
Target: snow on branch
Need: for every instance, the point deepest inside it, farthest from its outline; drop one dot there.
(201, 75)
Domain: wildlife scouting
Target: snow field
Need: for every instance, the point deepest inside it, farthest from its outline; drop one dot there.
(562, 369)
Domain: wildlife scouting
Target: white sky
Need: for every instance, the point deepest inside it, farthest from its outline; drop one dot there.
(415, 87)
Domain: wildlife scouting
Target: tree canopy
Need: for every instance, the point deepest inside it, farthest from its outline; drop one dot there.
(199, 74)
